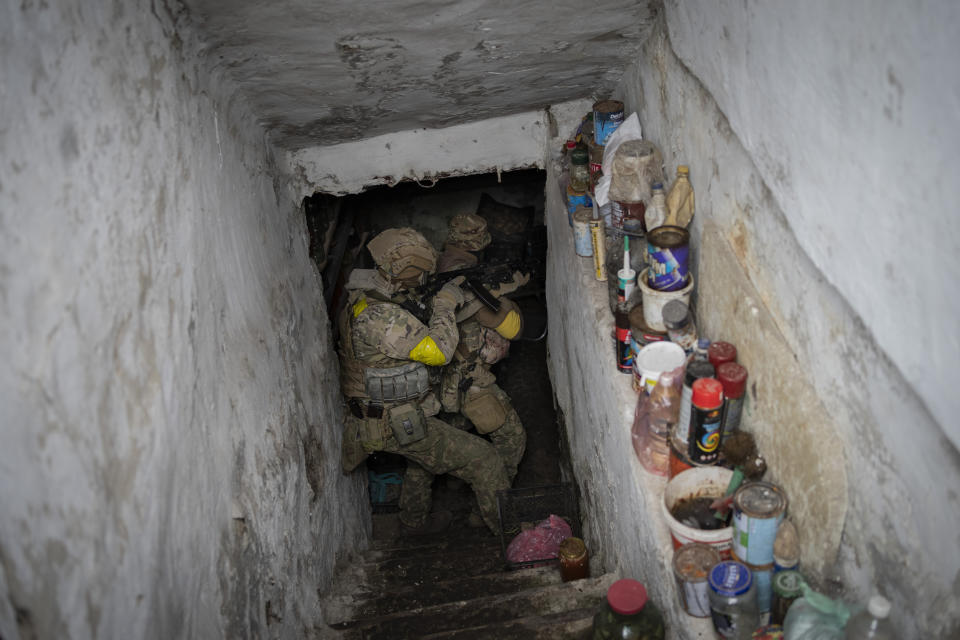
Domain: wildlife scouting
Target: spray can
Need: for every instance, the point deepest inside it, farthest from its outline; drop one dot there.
(720, 352)
(695, 370)
(733, 377)
(706, 414)
(621, 318)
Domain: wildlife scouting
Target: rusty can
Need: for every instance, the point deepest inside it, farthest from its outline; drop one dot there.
(668, 255)
(574, 561)
(607, 116)
(758, 509)
(691, 567)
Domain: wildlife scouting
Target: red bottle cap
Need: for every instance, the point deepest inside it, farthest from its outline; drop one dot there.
(720, 352)
(571, 144)
(627, 597)
(734, 379)
(707, 393)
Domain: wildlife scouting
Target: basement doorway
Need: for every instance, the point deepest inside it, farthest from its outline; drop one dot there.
(512, 203)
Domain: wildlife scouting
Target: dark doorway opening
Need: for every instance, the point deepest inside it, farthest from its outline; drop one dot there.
(512, 204)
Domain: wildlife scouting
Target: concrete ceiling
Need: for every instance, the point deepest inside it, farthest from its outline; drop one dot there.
(320, 73)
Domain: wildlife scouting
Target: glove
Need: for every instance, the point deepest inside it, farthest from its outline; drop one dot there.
(451, 291)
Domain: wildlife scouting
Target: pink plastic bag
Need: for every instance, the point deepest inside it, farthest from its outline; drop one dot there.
(541, 542)
(654, 418)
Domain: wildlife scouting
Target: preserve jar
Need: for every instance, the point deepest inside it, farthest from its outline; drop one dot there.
(625, 614)
(574, 562)
(733, 601)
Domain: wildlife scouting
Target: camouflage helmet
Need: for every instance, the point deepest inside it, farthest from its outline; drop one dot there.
(403, 254)
(468, 231)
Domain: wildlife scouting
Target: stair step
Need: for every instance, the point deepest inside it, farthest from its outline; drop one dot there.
(466, 614)
(415, 545)
(361, 604)
(567, 625)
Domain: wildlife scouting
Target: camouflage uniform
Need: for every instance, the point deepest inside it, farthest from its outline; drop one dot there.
(384, 351)
(468, 386)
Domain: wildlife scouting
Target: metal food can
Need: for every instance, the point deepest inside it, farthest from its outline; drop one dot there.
(582, 240)
(758, 509)
(691, 567)
(607, 116)
(668, 258)
(787, 587)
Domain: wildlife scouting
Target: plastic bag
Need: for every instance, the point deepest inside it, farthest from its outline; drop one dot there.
(815, 617)
(629, 130)
(654, 417)
(540, 542)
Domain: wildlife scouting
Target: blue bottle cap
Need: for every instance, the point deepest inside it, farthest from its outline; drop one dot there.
(703, 343)
(730, 578)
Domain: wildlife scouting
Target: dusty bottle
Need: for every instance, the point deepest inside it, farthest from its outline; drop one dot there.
(656, 213)
(872, 622)
(680, 201)
(579, 169)
(625, 613)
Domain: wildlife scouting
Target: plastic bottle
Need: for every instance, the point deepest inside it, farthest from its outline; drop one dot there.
(680, 200)
(625, 613)
(872, 622)
(656, 214)
(815, 616)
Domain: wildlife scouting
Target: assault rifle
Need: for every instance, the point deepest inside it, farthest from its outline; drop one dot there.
(476, 280)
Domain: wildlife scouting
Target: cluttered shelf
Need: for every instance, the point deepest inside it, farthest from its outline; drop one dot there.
(712, 537)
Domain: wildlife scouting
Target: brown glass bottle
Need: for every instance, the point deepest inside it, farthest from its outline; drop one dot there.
(574, 561)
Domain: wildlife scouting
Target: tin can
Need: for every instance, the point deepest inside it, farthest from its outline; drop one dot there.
(758, 509)
(640, 333)
(607, 116)
(575, 200)
(631, 216)
(668, 254)
(763, 579)
(582, 241)
(691, 567)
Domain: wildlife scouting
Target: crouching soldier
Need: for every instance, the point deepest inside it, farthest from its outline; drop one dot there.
(387, 360)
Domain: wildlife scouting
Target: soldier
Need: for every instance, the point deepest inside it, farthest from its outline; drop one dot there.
(387, 356)
(468, 385)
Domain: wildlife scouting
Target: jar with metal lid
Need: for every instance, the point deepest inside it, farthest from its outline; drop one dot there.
(691, 565)
(680, 326)
(579, 169)
(786, 589)
(733, 601)
(574, 562)
(626, 613)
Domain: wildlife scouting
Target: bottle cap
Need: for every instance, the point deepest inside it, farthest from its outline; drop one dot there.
(627, 597)
(696, 370)
(787, 584)
(571, 144)
(683, 170)
(730, 578)
(720, 352)
(879, 607)
(657, 185)
(707, 393)
(675, 314)
(579, 155)
(572, 549)
(703, 343)
(732, 376)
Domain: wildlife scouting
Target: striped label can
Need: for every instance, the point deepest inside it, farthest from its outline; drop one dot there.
(668, 250)
(758, 509)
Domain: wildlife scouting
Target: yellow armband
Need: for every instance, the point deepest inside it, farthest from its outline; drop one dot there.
(428, 353)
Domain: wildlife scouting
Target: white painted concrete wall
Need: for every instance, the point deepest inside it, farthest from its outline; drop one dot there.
(510, 142)
(851, 113)
(167, 388)
(898, 530)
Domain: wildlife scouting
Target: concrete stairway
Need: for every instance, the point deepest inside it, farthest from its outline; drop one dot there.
(455, 585)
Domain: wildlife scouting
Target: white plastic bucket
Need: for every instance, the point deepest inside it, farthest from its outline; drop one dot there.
(696, 482)
(654, 301)
(653, 359)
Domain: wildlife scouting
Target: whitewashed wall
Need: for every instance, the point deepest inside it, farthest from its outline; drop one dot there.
(169, 466)
(811, 131)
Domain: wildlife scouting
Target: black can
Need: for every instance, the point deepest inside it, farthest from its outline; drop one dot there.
(695, 370)
(706, 426)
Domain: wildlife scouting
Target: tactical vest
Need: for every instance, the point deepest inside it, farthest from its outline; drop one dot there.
(385, 381)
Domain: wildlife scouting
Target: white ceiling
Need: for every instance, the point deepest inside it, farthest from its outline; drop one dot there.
(319, 73)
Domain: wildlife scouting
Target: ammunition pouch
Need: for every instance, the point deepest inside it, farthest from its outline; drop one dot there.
(485, 408)
(407, 423)
(404, 382)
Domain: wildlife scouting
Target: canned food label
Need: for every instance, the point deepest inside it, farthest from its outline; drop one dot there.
(753, 537)
(669, 268)
(575, 200)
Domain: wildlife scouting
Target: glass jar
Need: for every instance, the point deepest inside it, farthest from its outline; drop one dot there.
(579, 170)
(733, 601)
(574, 562)
(680, 325)
(786, 589)
(626, 614)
